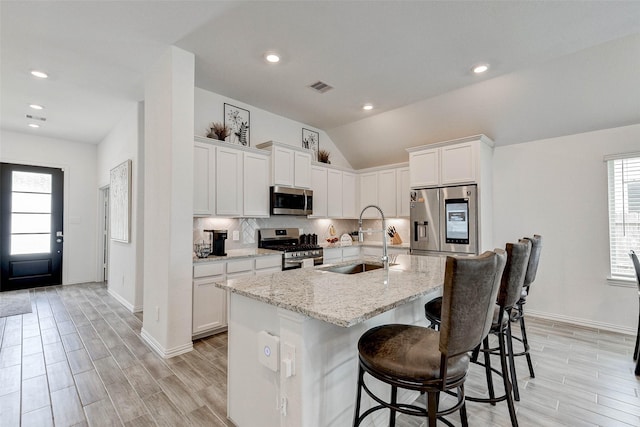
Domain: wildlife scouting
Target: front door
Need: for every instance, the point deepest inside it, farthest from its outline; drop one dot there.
(31, 234)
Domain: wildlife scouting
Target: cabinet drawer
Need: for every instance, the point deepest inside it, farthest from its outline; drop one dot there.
(238, 266)
(208, 269)
(350, 252)
(268, 261)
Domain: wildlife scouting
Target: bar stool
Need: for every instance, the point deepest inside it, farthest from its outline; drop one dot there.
(518, 316)
(636, 267)
(421, 359)
(518, 255)
(508, 295)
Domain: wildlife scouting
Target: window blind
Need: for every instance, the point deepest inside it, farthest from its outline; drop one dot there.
(624, 213)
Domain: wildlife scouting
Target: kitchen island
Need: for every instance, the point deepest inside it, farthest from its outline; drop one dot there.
(315, 317)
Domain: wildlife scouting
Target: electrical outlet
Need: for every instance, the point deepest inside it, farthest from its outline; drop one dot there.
(157, 313)
(236, 235)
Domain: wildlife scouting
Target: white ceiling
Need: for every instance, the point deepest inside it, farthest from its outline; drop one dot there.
(556, 67)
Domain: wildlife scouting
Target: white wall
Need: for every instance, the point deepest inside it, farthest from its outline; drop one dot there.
(558, 188)
(80, 197)
(126, 141)
(265, 126)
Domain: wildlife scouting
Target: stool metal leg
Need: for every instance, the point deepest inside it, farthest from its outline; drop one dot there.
(432, 408)
(512, 364)
(526, 346)
(356, 416)
(394, 402)
(506, 382)
(487, 369)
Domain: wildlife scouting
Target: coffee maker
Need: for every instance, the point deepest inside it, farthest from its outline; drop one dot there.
(217, 241)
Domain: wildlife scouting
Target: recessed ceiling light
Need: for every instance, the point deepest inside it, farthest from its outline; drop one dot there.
(481, 68)
(39, 74)
(272, 57)
(367, 107)
(33, 125)
(36, 106)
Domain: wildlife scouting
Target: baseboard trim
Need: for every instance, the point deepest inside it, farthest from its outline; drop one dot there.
(161, 351)
(581, 322)
(121, 300)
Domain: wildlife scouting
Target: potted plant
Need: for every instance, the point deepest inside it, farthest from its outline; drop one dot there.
(323, 156)
(219, 131)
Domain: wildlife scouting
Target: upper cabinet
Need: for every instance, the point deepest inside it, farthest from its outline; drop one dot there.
(204, 179)
(334, 192)
(290, 166)
(229, 180)
(447, 163)
(382, 187)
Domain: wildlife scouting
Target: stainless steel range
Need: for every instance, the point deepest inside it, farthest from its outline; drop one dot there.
(288, 241)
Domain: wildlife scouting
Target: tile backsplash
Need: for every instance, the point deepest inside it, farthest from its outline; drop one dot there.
(247, 228)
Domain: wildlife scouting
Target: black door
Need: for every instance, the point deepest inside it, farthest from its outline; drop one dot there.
(31, 235)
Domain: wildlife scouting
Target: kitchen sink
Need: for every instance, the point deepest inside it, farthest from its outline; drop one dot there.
(359, 267)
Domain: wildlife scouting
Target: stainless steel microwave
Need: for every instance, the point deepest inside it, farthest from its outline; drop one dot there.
(291, 201)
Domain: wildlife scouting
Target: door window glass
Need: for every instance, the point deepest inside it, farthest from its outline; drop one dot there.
(30, 213)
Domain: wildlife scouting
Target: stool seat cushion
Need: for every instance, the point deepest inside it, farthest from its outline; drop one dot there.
(407, 352)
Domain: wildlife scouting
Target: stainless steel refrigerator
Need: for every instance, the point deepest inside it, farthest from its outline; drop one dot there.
(444, 220)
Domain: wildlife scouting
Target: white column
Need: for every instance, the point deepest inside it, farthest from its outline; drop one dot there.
(168, 203)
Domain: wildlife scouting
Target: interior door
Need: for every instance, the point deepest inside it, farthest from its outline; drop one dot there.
(31, 234)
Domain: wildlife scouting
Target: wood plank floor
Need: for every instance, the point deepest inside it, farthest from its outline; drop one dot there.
(78, 359)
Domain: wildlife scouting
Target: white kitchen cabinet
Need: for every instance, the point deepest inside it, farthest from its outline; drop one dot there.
(331, 255)
(403, 192)
(229, 188)
(350, 253)
(458, 164)
(209, 302)
(369, 193)
(290, 166)
(203, 179)
(268, 264)
(448, 163)
(334, 193)
(349, 193)
(319, 187)
(387, 192)
(255, 185)
(302, 170)
(424, 168)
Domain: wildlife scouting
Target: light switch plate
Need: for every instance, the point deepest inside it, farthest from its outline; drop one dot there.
(236, 235)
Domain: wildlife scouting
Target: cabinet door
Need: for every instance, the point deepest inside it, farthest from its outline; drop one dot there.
(458, 164)
(282, 169)
(302, 170)
(255, 185)
(319, 187)
(334, 193)
(349, 195)
(387, 191)
(331, 255)
(369, 193)
(424, 168)
(350, 253)
(228, 181)
(203, 179)
(404, 189)
(209, 305)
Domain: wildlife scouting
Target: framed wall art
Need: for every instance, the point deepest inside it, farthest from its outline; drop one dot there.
(120, 202)
(238, 121)
(311, 141)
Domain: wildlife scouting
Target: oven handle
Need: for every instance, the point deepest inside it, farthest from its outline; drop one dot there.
(304, 194)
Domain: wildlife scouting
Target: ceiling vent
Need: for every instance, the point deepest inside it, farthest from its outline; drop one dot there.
(29, 116)
(320, 87)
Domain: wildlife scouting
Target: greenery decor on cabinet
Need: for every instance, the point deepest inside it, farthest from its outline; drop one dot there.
(323, 156)
(218, 131)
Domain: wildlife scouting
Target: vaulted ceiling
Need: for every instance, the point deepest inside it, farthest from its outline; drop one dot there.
(556, 68)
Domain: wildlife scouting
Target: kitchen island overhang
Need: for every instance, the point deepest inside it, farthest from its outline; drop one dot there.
(317, 317)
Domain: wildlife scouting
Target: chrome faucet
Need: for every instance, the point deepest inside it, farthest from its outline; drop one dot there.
(385, 257)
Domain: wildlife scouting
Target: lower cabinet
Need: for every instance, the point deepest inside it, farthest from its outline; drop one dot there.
(210, 302)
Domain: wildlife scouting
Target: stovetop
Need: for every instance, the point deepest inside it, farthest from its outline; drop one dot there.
(292, 247)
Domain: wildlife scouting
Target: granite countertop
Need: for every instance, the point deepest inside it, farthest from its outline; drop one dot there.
(344, 299)
(238, 253)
